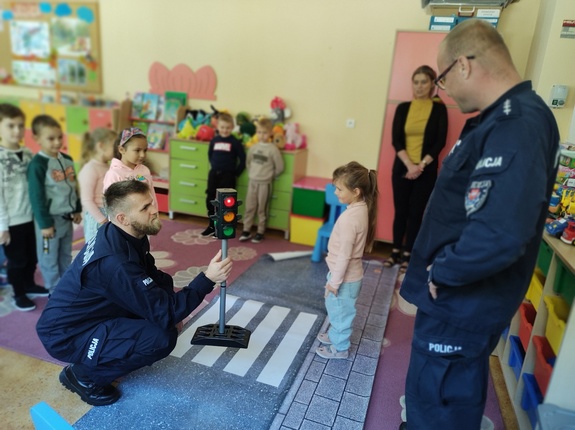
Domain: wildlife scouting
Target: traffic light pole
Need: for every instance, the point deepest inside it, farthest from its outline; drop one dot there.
(225, 219)
(222, 328)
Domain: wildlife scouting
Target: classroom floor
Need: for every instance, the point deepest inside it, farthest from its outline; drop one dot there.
(27, 381)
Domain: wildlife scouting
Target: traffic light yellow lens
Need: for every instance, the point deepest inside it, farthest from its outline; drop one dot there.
(229, 216)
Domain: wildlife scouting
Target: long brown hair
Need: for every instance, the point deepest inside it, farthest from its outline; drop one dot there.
(354, 175)
(90, 141)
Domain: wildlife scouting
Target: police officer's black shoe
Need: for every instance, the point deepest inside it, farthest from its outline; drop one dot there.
(403, 426)
(90, 392)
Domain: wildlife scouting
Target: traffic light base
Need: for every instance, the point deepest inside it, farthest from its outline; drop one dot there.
(233, 336)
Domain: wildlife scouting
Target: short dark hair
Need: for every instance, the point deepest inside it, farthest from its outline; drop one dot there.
(41, 121)
(10, 111)
(115, 195)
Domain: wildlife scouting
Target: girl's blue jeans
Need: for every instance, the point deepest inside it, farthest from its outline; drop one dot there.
(341, 312)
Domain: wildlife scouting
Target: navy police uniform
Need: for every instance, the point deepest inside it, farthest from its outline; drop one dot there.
(113, 311)
(480, 235)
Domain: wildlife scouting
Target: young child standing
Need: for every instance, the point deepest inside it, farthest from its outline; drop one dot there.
(227, 160)
(97, 151)
(352, 234)
(17, 235)
(130, 149)
(264, 163)
(54, 198)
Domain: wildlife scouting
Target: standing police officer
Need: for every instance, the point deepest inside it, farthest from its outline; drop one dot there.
(478, 244)
(113, 311)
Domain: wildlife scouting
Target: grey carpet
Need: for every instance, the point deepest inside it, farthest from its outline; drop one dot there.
(199, 387)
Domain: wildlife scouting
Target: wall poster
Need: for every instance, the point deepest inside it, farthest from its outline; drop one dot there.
(51, 45)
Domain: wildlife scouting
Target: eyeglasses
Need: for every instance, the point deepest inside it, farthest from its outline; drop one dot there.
(440, 80)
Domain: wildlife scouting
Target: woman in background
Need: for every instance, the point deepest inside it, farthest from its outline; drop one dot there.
(418, 136)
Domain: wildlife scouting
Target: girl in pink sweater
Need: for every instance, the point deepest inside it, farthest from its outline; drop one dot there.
(352, 234)
(97, 151)
(130, 151)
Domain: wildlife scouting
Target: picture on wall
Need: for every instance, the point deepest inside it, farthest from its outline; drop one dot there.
(30, 39)
(51, 44)
(71, 72)
(34, 73)
(71, 36)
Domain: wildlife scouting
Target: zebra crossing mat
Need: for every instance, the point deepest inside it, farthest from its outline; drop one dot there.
(211, 387)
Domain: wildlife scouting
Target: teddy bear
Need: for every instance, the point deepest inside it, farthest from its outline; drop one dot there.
(293, 138)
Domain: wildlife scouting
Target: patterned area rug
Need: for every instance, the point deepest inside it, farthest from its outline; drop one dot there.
(179, 249)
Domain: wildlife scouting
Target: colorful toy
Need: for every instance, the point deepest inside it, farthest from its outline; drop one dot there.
(205, 133)
(279, 111)
(294, 140)
(555, 228)
(278, 136)
(568, 235)
(187, 131)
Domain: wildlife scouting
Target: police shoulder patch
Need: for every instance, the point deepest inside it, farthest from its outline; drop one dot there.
(476, 195)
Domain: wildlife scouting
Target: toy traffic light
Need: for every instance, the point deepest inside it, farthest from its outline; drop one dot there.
(226, 213)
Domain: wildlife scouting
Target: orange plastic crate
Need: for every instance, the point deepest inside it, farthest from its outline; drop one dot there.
(527, 315)
(544, 361)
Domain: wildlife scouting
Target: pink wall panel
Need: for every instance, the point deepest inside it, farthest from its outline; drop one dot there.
(412, 49)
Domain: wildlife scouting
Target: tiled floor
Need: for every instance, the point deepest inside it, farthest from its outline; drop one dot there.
(334, 394)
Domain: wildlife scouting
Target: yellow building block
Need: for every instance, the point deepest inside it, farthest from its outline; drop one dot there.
(303, 230)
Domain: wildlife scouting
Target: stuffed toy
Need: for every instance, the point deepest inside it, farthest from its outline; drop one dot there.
(205, 133)
(187, 131)
(279, 111)
(294, 140)
(278, 136)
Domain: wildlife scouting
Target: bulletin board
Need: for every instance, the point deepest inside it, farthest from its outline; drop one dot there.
(51, 45)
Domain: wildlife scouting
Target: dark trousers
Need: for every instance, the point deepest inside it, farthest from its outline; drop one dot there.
(21, 256)
(217, 179)
(119, 347)
(446, 386)
(409, 200)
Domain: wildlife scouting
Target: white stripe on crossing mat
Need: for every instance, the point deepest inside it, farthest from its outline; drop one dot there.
(209, 317)
(209, 354)
(282, 358)
(244, 358)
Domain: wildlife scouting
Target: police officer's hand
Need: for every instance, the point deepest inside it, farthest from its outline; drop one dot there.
(218, 269)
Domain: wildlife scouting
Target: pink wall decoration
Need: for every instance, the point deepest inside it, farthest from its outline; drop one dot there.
(197, 85)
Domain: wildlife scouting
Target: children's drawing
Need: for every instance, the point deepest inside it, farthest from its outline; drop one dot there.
(71, 72)
(34, 73)
(71, 36)
(30, 39)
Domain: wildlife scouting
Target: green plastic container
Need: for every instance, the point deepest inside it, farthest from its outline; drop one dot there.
(564, 283)
(544, 257)
(309, 203)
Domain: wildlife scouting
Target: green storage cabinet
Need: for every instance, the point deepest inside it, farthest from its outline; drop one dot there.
(544, 257)
(564, 284)
(309, 203)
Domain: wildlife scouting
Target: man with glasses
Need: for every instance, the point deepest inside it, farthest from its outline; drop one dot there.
(475, 253)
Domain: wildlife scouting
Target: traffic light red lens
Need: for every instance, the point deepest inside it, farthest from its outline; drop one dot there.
(229, 216)
(229, 201)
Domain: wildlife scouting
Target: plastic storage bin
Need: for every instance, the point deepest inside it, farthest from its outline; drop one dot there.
(564, 283)
(527, 316)
(552, 417)
(544, 257)
(535, 290)
(555, 327)
(531, 398)
(516, 355)
(544, 362)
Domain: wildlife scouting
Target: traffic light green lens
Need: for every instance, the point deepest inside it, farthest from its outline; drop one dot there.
(228, 231)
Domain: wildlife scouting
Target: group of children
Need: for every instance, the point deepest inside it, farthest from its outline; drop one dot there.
(40, 197)
(39, 201)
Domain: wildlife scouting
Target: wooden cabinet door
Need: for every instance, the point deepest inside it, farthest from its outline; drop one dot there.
(100, 118)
